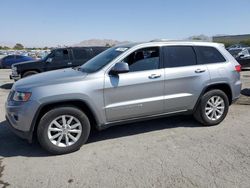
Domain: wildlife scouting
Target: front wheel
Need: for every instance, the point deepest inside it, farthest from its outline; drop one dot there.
(63, 130)
(212, 108)
(29, 73)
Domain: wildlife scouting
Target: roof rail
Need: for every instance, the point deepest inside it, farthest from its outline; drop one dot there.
(164, 40)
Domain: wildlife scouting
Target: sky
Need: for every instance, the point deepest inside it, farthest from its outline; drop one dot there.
(39, 23)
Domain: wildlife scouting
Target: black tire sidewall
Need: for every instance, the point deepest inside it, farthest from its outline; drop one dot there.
(42, 131)
(203, 103)
(29, 73)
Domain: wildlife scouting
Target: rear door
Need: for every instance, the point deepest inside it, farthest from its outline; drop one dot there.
(215, 62)
(60, 58)
(184, 78)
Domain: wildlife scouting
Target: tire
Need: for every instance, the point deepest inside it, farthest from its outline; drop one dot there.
(203, 107)
(29, 73)
(44, 135)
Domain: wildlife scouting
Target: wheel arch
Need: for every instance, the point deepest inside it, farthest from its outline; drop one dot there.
(35, 70)
(82, 105)
(220, 86)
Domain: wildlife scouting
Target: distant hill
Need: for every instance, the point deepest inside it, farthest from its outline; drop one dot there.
(100, 42)
(5, 43)
(200, 37)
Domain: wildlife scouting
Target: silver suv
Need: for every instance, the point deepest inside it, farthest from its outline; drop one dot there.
(124, 84)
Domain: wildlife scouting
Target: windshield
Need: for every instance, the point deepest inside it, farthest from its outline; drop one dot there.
(46, 55)
(102, 59)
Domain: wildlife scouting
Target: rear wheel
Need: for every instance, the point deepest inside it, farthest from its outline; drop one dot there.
(29, 73)
(212, 108)
(63, 130)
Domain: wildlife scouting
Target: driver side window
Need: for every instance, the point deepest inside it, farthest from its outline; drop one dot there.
(143, 59)
(60, 55)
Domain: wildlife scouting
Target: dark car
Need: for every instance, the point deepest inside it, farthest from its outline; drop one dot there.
(235, 51)
(243, 58)
(9, 60)
(236, 46)
(58, 58)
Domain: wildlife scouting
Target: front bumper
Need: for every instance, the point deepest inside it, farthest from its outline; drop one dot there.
(20, 116)
(27, 135)
(15, 77)
(14, 74)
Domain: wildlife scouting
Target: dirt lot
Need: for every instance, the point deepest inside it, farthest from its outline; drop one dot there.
(169, 152)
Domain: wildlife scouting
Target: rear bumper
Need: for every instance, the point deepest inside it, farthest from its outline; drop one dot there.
(236, 90)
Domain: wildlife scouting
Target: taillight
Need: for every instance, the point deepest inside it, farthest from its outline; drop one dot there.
(238, 68)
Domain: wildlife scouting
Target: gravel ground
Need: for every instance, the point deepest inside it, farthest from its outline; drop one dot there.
(169, 152)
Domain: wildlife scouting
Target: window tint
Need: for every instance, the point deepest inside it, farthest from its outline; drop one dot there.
(143, 59)
(81, 53)
(98, 50)
(207, 55)
(178, 56)
(61, 55)
(19, 57)
(9, 57)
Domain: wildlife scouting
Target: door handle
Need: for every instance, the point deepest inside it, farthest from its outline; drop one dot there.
(69, 63)
(153, 76)
(199, 70)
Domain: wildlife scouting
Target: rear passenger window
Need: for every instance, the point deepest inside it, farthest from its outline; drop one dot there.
(82, 53)
(178, 56)
(208, 55)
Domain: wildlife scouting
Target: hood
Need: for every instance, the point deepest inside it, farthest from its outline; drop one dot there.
(28, 62)
(49, 78)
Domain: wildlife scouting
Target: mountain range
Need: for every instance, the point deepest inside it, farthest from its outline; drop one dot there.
(111, 42)
(100, 42)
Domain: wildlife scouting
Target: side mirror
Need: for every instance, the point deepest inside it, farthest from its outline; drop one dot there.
(119, 68)
(49, 60)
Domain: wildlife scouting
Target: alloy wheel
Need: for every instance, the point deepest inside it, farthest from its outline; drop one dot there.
(64, 131)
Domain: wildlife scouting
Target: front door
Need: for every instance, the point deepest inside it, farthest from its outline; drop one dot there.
(138, 92)
(59, 59)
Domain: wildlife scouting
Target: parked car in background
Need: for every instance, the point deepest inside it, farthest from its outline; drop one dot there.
(235, 51)
(126, 83)
(9, 60)
(243, 58)
(58, 58)
(2, 55)
(236, 46)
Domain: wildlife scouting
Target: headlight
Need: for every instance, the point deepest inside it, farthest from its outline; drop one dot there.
(21, 96)
(13, 68)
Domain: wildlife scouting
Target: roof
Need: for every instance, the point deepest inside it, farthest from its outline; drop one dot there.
(169, 42)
